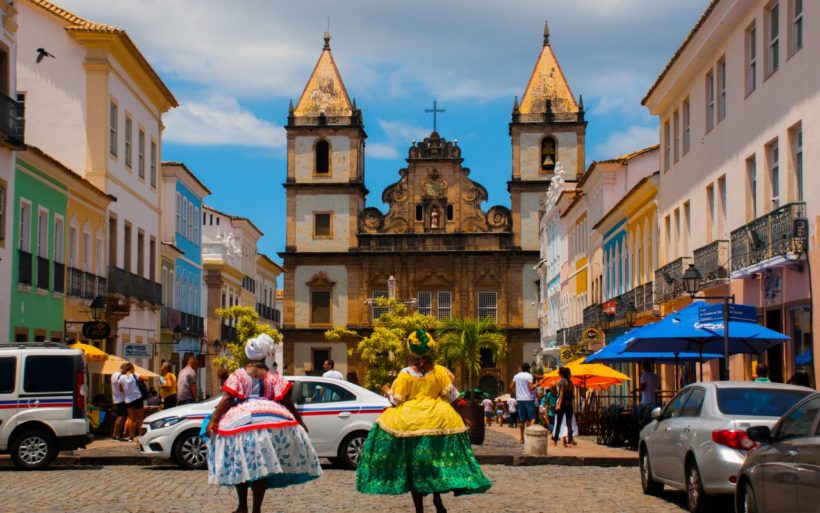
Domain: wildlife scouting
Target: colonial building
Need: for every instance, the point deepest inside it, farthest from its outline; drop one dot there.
(97, 108)
(11, 139)
(738, 107)
(449, 254)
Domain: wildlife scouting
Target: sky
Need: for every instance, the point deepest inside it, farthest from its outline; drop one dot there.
(234, 66)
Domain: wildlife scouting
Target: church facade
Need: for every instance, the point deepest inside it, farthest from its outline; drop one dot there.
(448, 253)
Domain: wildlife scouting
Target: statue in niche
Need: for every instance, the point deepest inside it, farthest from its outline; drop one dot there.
(434, 218)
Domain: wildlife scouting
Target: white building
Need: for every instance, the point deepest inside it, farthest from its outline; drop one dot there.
(97, 107)
(11, 138)
(739, 112)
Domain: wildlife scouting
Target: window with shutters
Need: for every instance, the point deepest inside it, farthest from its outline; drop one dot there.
(773, 28)
(487, 305)
(444, 308)
(425, 303)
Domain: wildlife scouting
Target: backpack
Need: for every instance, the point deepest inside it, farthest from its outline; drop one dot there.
(142, 388)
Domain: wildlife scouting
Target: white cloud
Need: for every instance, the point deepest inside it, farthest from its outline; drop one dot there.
(397, 138)
(631, 139)
(220, 120)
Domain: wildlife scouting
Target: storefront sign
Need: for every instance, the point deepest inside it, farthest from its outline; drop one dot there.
(137, 350)
(96, 330)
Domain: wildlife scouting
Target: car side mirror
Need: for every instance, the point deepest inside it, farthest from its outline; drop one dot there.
(656, 413)
(760, 434)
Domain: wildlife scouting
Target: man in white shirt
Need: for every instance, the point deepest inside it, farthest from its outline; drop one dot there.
(649, 385)
(118, 397)
(522, 385)
(488, 405)
(512, 407)
(330, 372)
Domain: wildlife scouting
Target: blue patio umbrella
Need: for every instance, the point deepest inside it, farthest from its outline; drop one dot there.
(682, 332)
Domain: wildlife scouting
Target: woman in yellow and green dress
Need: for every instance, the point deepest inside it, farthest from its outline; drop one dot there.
(420, 445)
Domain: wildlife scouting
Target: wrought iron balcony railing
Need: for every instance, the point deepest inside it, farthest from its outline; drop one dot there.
(85, 285)
(227, 333)
(668, 284)
(43, 273)
(133, 286)
(24, 269)
(768, 236)
(12, 121)
(59, 277)
(712, 260)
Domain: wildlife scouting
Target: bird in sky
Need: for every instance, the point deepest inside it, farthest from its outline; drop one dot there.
(42, 54)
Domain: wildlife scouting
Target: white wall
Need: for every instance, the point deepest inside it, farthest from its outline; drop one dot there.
(530, 154)
(530, 298)
(305, 159)
(530, 201)
(339, 205)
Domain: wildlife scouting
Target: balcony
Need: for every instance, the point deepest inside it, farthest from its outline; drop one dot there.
(570, 336)
(249, 284)
(668, 284)
(227, 333)
(190, 324)
(131, 286)
(216, 251)
(712, 260)
(84, 285)
(593, 315)
(24, 269)
(267, 312)
(43, 273)
(767, 237)
(12, 121)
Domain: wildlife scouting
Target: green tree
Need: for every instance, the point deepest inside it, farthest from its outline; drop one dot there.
(463, 340)
(247, 327)
(384, 351)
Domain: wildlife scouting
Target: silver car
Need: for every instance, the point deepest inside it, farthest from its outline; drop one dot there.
(698, 442)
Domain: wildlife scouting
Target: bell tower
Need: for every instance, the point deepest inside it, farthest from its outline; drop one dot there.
(547, 128)
(325, 180)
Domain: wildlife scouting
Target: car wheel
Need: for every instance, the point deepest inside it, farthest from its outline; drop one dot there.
(33, 449)
(696, 498)
(649, 485)
(350, 449)
(190, 451)
(748, 502)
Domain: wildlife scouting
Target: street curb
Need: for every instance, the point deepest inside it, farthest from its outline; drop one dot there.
(518, 460)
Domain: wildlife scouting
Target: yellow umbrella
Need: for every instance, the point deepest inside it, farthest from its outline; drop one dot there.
(587, 375)
(92, 354)
(112, 365)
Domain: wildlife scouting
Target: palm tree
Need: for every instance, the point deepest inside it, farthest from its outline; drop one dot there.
(463, 340)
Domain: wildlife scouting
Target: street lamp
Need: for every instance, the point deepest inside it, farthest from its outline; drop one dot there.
(692, 278)
(391, 287)
(178, 333)
(97, 308)
(630, 314)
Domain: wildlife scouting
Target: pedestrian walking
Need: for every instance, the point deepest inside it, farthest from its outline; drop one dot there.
(499, 412)
(134, 400)
(186, 382)
(120, 409)
(168, 386)
(488, 405)
(550, 402)
(420, 445)
(256, 437)
(523, 385)
(512, 407)
(564, 406)
(330, 370)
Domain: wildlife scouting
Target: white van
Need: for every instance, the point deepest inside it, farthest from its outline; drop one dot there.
(42, 402)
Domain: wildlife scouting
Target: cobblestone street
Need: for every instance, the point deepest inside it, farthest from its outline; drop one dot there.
(166, 490)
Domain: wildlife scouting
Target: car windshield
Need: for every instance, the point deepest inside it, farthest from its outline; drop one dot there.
(757, 401)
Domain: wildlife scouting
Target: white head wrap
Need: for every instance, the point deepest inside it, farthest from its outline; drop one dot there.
(261, 348)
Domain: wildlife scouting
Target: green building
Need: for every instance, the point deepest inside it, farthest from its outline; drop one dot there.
(38, 267)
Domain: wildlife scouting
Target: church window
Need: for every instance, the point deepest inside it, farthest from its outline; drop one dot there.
(322, 157)
(320, 307)
(449, 212)
(375, 310)
(487, 305)
(425, 303)
(445, 305)
(487, 359)
(419, 213)
(548, 155)
(321, 225)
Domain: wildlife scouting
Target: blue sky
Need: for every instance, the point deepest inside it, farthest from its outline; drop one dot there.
(234, 66)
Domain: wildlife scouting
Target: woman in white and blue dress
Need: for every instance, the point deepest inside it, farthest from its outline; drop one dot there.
(257, 439)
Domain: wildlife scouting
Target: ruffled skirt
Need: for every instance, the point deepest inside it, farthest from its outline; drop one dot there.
(274, 449)
(392, 465)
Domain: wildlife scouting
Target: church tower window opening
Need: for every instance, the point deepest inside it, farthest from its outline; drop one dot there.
(419, 213)
(450, 212)
(548, 155)
(322, 157)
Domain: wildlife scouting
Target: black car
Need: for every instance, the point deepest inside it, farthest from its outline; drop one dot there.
(783, 473)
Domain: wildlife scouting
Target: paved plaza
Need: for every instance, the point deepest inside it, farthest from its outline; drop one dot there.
(166, 490)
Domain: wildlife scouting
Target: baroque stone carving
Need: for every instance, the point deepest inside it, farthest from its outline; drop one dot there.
(499, 219)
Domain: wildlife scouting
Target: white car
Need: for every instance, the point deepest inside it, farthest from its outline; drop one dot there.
(338, 415)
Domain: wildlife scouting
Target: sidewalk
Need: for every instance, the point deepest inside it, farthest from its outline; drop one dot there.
(500, 447)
